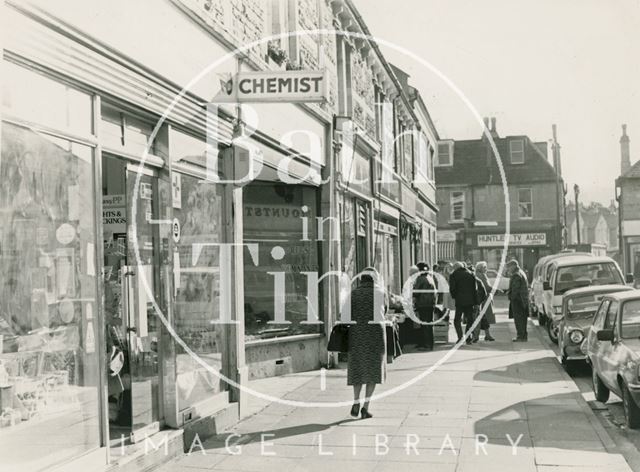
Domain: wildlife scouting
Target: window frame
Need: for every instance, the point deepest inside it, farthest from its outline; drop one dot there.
(513, 152)
(449, 144)
(451, 203)
(520, 217)
(600, 314)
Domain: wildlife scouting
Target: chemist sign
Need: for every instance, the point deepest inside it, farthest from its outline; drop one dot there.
(274, 86)
(515, 239)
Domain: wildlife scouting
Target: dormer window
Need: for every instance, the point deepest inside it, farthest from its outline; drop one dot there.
(516, 151)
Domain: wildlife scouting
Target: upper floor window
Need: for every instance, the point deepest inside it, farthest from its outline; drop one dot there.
(445, 154)
(516, 151)
(525, 203)
(457, 206)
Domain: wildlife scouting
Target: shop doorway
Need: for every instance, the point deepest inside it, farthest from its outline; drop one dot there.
(132, 329)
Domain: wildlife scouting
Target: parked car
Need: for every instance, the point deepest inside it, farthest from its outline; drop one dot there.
(578, 308)
(567, 273)
(540, 275)
(503, 284)
(613, 350)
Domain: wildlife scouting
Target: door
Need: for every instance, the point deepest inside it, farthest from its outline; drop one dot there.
(130, 232)
(607, 362)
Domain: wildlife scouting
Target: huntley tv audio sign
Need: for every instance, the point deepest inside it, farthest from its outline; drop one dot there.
(275, 86)
(517, 239)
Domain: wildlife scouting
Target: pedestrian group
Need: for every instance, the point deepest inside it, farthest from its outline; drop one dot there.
(459, 288)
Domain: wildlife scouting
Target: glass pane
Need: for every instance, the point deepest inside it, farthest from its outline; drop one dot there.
(49, 372)
(273, 219)
(24, 92)
(197, 305)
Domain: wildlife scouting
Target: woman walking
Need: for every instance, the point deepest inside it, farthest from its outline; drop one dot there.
(366, 340)
(489, 316)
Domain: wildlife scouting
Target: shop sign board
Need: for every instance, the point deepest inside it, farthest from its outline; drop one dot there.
(274, 86)
(515, 239)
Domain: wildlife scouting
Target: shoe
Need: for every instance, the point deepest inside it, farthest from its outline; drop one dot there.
(489, 338)
(518, 340)
(469, 342)
(364, 414)
(475, 340)
(355, 410)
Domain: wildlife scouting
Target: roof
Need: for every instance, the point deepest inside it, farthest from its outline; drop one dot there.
(633, 172)
(622, 296)
(475, 163)
(579, 260)
(597, 289)
(551, 257)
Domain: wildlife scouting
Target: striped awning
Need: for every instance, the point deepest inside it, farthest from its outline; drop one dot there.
(446, 250)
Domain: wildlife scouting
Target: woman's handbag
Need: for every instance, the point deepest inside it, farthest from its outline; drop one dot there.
(339, 338)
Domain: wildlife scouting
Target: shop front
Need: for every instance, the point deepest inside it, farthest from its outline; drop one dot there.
(99, 250)
(525, 247)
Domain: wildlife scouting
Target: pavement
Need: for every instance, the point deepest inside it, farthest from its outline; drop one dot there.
(491, 406)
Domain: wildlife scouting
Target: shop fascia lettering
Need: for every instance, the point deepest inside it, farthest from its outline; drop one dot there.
(302, 86)
(515, 239)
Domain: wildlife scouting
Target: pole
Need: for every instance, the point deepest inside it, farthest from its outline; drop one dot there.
(556, 164)
(576, 191)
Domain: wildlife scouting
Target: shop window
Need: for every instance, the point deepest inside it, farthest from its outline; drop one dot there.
(49, 344)
(67, 109)
(525, 203)
(516, 151)
(273, 220)
(457, 206)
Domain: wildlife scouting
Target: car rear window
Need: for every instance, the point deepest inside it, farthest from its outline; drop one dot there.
(585, 275)
(630, 323)
(583, 306)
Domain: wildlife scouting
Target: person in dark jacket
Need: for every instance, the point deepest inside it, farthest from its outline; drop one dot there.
(367, 340)
(463, 289)
(518, 299)
(425, 291)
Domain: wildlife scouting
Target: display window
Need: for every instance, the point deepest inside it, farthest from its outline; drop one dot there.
(281, 220)
(49, 332)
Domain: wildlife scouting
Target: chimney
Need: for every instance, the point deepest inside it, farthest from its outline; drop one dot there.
(625, 155)
(494, 132)
(486, 125)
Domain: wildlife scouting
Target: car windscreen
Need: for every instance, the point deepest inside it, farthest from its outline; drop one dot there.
(583, 306)
(630, 321)
(584, 275)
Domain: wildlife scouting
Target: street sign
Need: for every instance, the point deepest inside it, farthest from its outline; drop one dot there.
(300, 86)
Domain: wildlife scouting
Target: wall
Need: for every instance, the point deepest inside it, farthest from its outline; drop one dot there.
(281, 356)
(631, 200)
(490, 206)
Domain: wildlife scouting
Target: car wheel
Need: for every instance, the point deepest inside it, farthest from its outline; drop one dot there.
(599, 389)
(631, 409)
(552, 330)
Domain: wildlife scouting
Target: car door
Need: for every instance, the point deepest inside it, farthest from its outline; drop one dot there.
(608, 367)
(592, 340)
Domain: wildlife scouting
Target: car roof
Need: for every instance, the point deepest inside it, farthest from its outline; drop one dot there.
(611, 288)
(582, 260)
(622, 296)
(552, 257)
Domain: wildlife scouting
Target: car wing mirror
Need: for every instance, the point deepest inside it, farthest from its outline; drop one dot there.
(629, 279)
(605, 335)
(546, 286)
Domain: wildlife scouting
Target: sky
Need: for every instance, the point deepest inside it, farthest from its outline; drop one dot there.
(530, 64)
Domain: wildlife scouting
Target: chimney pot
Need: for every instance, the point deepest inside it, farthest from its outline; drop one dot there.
(493, 124)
